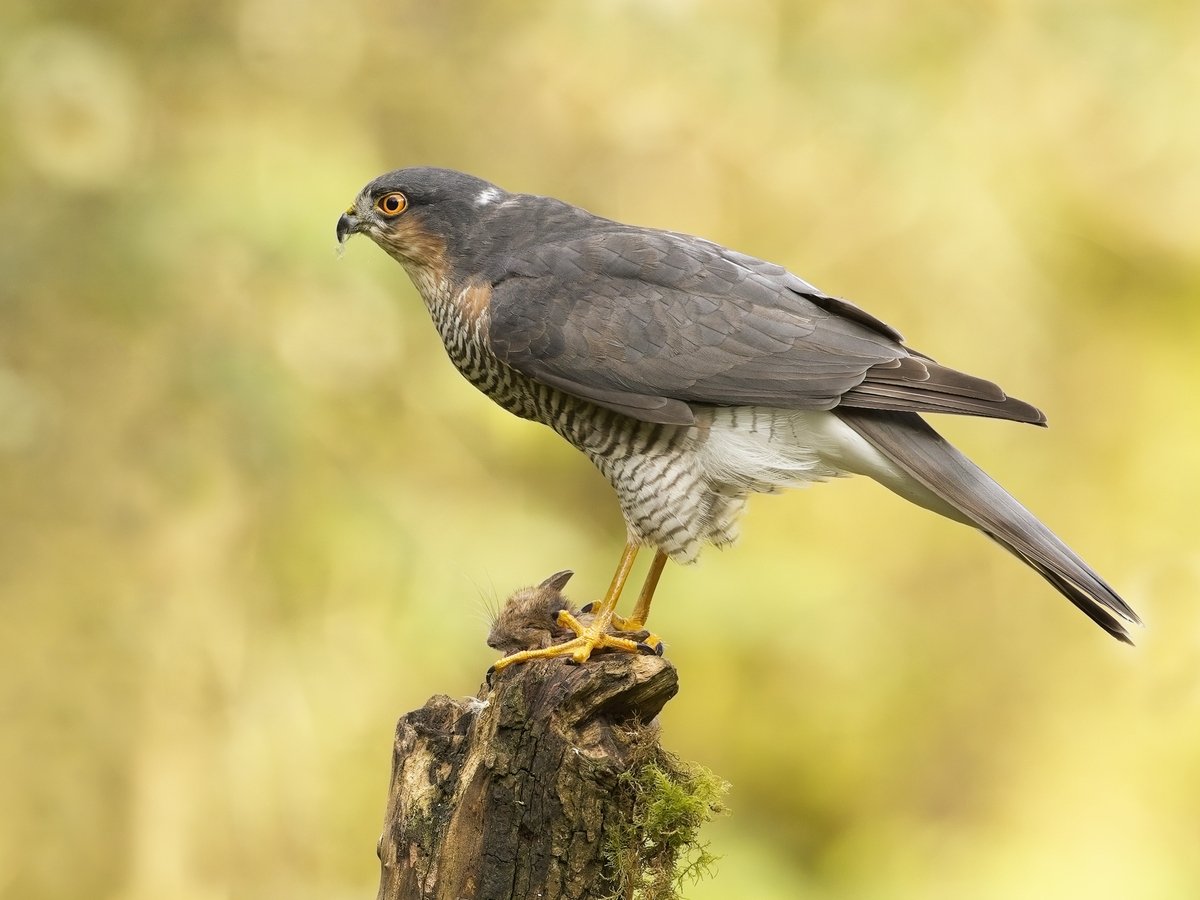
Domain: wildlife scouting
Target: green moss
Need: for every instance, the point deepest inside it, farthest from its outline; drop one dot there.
(656, 847)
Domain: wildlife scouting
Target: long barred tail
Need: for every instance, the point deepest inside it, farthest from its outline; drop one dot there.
(911, 444)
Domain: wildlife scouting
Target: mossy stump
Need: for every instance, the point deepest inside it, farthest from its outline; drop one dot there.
(520, 794)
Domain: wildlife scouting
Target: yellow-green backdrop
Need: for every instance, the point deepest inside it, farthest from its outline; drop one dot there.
(249, 514)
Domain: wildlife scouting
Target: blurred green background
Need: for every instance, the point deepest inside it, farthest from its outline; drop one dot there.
(251, 515)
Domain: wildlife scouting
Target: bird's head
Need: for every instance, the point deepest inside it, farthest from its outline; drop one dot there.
(419, 215)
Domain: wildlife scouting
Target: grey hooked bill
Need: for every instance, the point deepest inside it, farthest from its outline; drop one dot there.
(346, 226)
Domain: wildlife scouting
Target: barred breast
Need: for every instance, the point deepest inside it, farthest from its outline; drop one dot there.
(680, 486)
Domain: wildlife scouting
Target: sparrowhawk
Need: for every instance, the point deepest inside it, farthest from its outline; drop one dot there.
(692, 376)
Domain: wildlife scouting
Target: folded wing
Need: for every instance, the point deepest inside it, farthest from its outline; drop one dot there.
(647, 322)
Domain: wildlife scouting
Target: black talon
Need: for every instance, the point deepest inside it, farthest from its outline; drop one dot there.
(488, 677)
(586, 608)
(660, 649)
(647, 650)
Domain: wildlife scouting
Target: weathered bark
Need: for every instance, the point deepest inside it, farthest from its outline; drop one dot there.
(518, 799)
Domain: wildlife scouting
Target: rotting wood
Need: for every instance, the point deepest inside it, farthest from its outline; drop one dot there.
(518, 793)
(514, 794)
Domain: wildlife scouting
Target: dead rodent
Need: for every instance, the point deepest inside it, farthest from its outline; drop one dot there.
(529, 618)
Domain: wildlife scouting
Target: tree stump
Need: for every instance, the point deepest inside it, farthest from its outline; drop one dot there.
(516, 794)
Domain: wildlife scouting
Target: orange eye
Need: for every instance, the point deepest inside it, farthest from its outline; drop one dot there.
(391, 204)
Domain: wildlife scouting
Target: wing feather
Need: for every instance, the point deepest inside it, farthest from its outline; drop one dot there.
(648, 322)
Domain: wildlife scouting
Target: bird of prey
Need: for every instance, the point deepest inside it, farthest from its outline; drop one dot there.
(692, 376)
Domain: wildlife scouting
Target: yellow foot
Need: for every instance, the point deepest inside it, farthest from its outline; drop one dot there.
(588, 639)
(631, 626)
(598, 633)
(651, 640)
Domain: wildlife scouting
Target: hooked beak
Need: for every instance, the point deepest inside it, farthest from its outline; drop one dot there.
(347, 225)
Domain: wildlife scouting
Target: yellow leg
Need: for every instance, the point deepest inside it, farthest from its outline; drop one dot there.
(591, 637)
(641, 609)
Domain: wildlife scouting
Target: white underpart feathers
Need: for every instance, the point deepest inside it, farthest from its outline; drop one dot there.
(764, 450)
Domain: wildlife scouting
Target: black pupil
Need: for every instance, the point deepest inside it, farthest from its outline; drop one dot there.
(391, 204)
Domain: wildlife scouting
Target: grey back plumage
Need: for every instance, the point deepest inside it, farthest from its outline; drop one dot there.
(646, 322)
